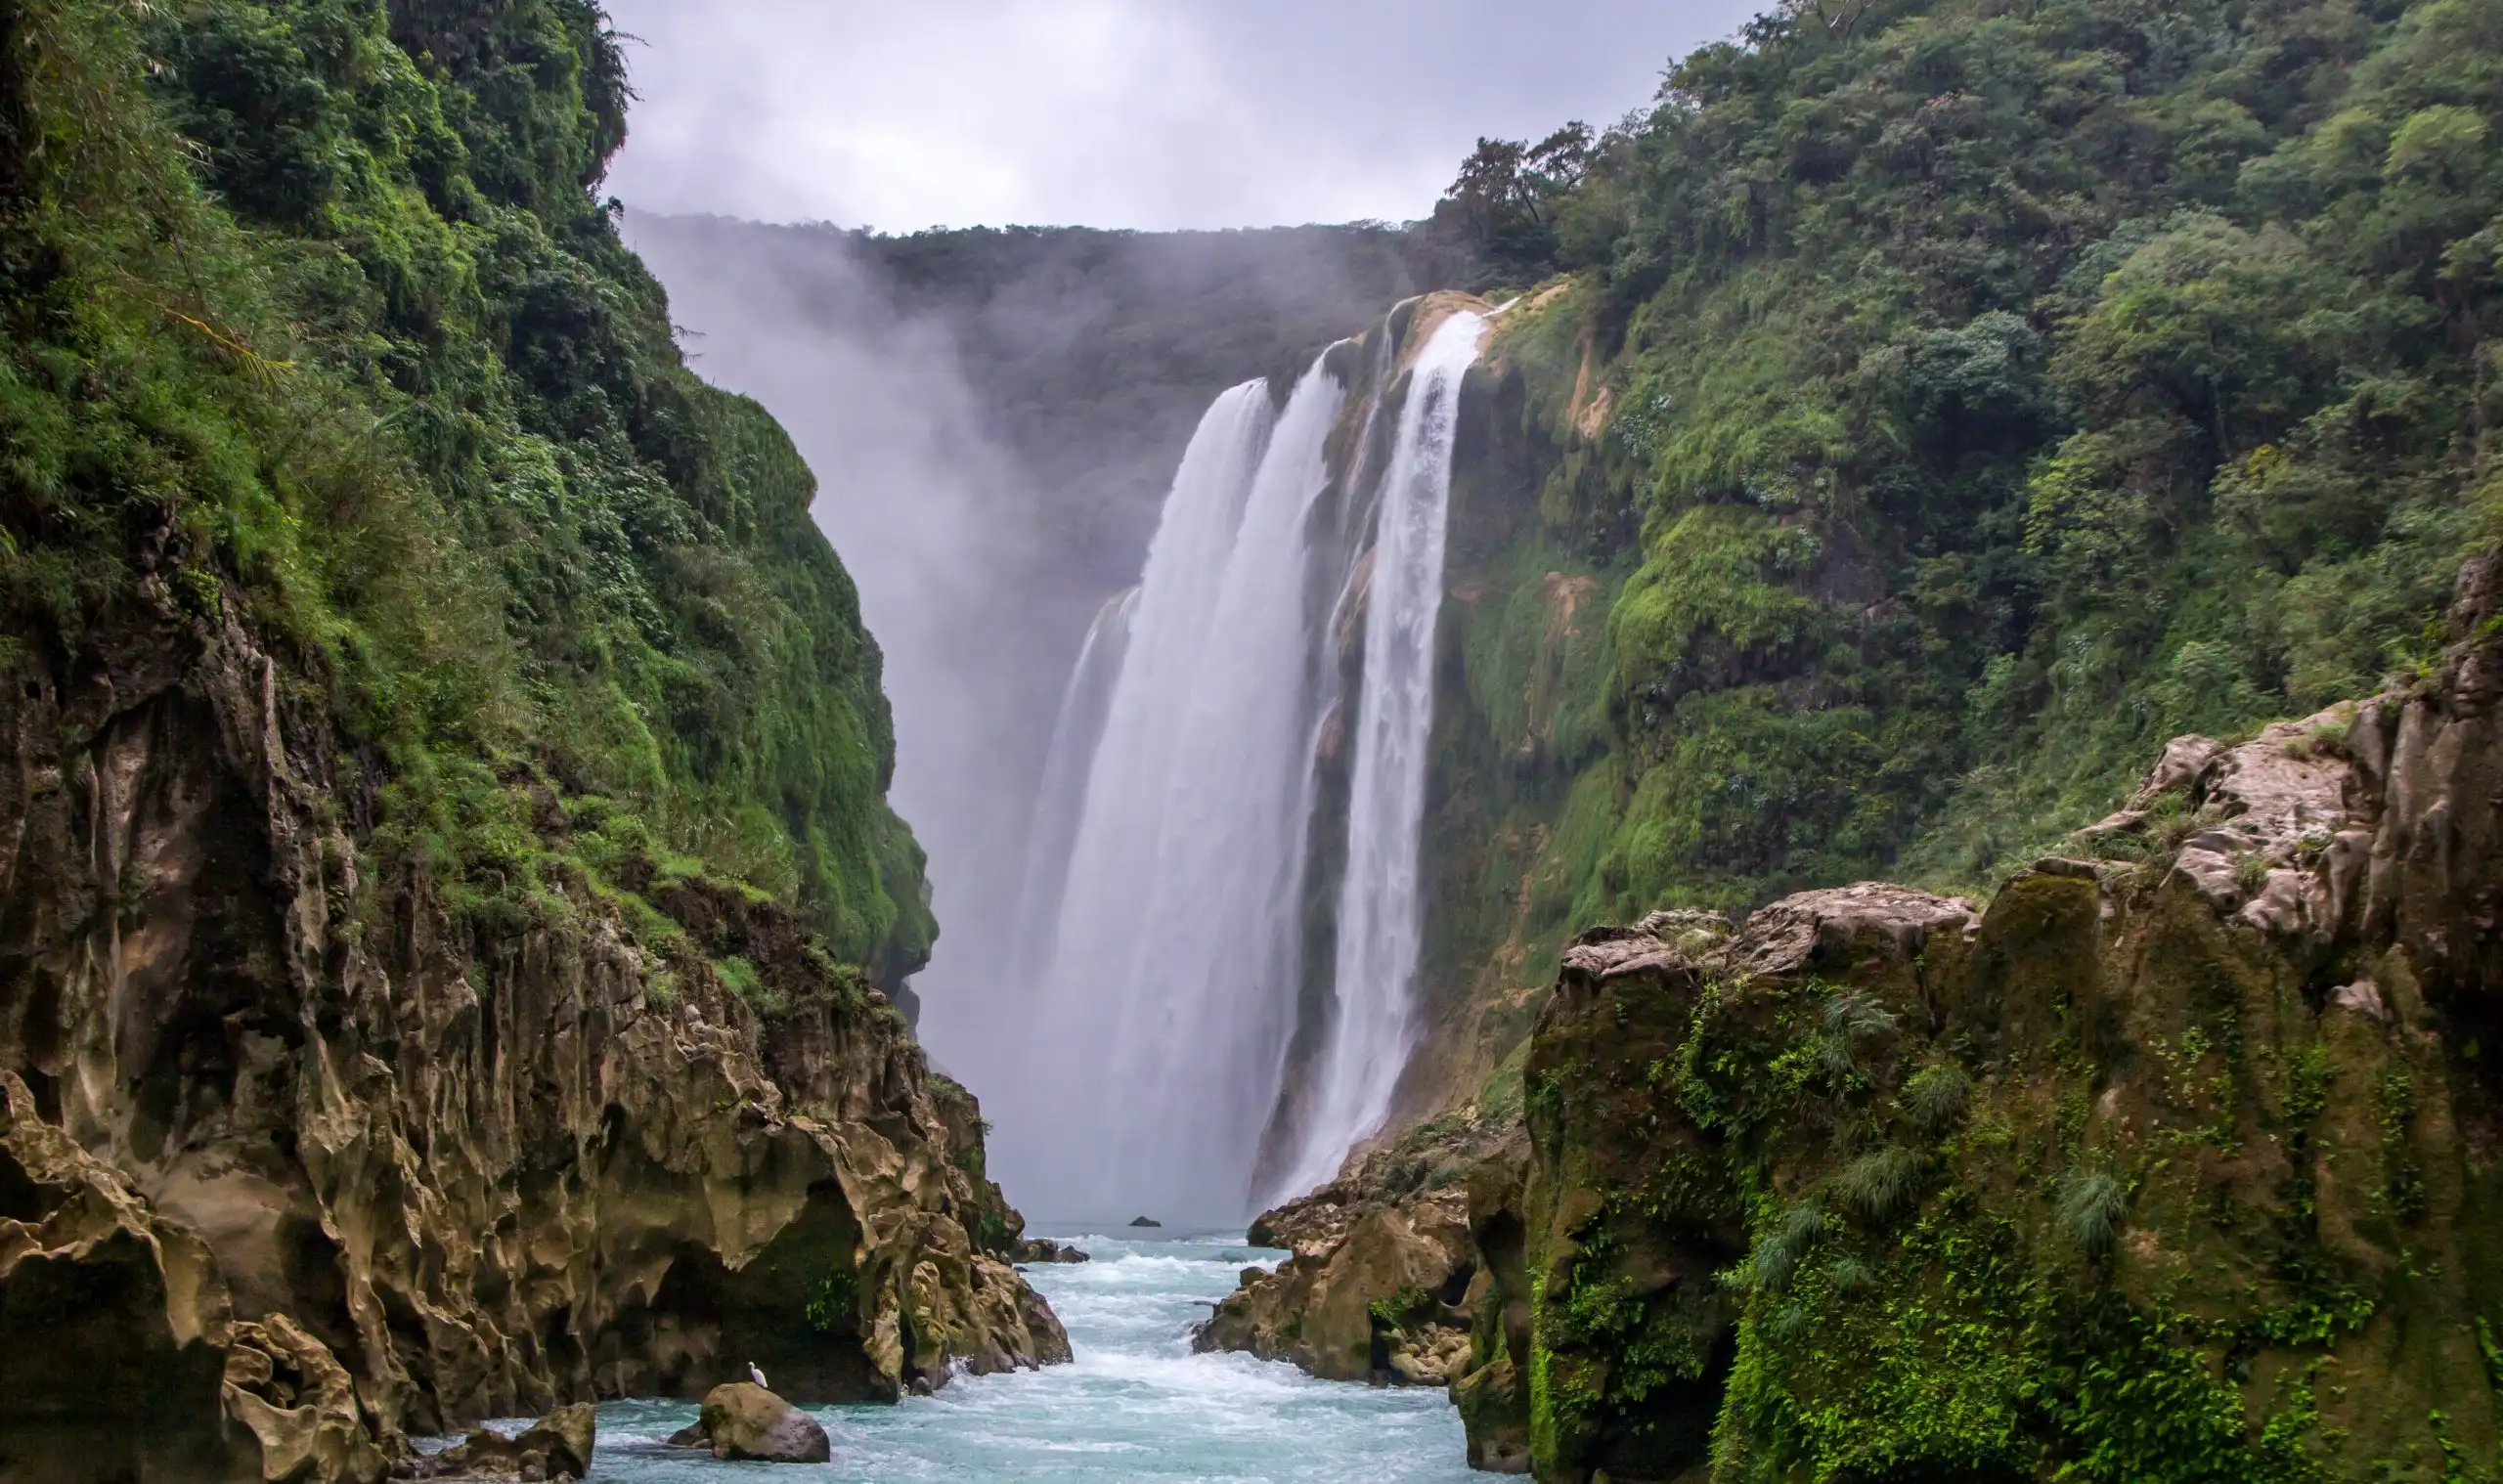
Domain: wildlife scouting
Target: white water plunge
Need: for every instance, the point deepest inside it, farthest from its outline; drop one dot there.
(1381, 916)
(1174, 959)
(1178, 921)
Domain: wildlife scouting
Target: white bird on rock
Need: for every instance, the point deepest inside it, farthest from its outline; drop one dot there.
(756, 1375)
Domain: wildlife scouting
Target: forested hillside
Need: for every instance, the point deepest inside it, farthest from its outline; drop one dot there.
(311, 317)
(1898, 439)
(1929, 408)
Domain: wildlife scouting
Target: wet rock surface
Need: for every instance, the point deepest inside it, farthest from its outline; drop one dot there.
(742, 1421)
(305, 1161)
(2181, 1147)
(1044, 1250)
(1379, 1283)
(556, 1447)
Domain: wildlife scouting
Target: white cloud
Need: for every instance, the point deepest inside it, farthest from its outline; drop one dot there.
(1150, 114)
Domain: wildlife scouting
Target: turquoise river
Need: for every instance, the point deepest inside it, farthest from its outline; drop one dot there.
(1136, 1404)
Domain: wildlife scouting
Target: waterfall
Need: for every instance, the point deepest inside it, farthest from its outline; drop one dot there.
(1163, 912)
(1060, 799)
(1379, 918)
(1175, 950)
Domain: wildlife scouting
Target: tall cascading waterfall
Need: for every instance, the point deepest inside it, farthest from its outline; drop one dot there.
(1061, 795)
(1174, 961)
(1174, 949)
(1380, 916)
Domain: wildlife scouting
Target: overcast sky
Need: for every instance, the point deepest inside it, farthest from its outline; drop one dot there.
(1155, 113)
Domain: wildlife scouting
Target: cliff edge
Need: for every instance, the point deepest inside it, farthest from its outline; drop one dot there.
(448, 901)
(287, 1170)
(2171, 1162)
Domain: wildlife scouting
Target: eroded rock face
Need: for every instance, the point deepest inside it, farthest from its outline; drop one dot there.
(2177, 1155)
(314, 1163)
(1379, 1281)
(556, 1447)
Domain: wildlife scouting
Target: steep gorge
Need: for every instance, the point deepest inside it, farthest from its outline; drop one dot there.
(453, 918)
(449, 899)
(1897, 440)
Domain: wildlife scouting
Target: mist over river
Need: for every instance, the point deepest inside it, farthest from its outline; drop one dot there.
(1136, 1404)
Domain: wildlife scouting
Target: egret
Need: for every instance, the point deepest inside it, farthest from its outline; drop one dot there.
(756, 1375)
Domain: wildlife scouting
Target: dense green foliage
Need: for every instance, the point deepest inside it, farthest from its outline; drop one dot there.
(1954, 399)
(2090, 1193)
(313, 322)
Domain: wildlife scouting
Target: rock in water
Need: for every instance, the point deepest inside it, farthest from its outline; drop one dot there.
(1379, 1283)
(1145, 1221)
(1044, 1250)
(557, 1446)
(744, 1421)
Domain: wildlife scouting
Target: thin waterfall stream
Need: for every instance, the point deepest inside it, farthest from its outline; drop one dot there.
(1380, 904)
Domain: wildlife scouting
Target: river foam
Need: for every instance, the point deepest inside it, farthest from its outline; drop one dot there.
(1136, 1404)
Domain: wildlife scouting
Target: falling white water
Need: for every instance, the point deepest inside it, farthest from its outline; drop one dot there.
(1380, 902)
(1061, 795)
(1174, 954)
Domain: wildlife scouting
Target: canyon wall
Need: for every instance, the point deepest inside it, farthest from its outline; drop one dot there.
(449, 902)
(2172, 1161)
(285, 1147)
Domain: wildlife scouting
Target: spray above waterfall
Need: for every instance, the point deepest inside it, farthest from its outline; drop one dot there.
(1184, 952)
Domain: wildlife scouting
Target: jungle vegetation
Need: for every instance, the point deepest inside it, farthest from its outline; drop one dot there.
(311, 322)
(1946, 401)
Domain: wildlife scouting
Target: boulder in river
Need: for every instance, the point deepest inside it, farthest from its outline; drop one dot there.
(556, 1447)
(744, 1421)
(1044, 1250)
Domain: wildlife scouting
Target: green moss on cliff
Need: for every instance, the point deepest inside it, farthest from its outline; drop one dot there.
(1952, 402)
(2093, 1192)
(313, 321)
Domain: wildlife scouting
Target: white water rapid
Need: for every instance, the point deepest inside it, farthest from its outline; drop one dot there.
(1381, 914)
(1135, 1405)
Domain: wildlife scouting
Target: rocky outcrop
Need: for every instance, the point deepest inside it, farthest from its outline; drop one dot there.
(556, 1447)
(1380, 1278)
(1045, 1250)
(305, 1151)
(742, 1421)
(2173, 1162)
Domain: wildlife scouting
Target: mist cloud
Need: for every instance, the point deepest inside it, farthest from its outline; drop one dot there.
(1147, 113)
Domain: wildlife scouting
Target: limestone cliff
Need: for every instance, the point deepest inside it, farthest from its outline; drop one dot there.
(2169, 1163)
(446, 871)
(291, 1166)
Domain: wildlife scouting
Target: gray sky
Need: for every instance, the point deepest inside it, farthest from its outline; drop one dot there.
(1153, 114)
